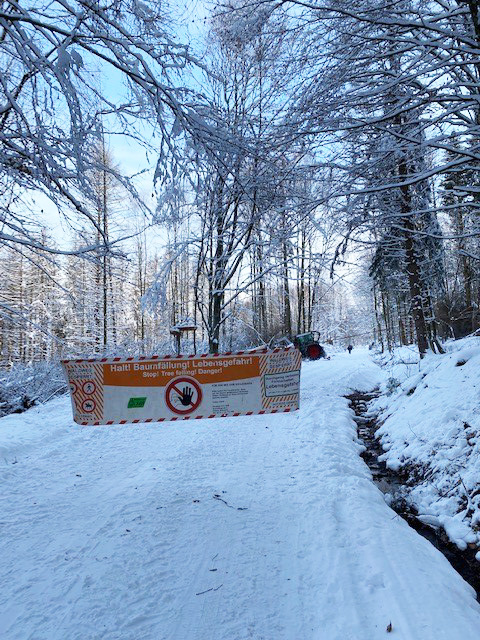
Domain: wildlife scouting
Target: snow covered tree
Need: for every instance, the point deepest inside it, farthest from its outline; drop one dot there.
(31, 312)
(461, 206)
(241, 182)
(53, 110)
(405, 77)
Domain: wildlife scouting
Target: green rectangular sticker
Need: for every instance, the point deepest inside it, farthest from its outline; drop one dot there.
(136, 403)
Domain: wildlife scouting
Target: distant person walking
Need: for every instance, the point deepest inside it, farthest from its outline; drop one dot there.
(349, 348)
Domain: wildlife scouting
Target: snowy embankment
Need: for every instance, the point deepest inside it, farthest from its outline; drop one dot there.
(431, 429)
(264, 527)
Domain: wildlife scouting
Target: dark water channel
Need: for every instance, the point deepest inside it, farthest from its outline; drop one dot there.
(394, 483)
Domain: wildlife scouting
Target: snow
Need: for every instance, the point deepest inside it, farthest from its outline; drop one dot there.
(431, 425)
(263, 527)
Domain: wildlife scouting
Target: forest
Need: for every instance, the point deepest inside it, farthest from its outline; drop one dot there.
(254, 169)
(190, 190)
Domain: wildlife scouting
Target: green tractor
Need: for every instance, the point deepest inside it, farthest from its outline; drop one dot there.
(308, 345)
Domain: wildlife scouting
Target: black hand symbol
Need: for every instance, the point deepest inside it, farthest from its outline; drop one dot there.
(186, 397)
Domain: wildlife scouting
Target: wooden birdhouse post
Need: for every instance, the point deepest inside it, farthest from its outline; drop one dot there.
(183, 328)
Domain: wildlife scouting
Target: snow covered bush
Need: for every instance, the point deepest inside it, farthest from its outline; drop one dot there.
(392, 385)
(24, 386)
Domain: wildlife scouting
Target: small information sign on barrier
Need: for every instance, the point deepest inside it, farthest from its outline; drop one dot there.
(155, 389)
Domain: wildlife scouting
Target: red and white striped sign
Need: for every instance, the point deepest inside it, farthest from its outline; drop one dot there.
(155, 389)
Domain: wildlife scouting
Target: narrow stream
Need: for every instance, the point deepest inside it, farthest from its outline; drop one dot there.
(392, 482)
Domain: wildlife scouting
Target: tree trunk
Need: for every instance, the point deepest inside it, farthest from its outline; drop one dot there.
(287, 313)
(413, 269)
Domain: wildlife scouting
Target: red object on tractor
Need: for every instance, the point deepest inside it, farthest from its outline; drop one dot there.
(315, 351)
(309, 346)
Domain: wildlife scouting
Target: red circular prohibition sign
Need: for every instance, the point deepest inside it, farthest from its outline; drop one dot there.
(183, 395)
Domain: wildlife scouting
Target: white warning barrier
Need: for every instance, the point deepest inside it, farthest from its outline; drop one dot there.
(155, 389)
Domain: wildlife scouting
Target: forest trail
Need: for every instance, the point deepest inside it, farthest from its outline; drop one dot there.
(264, 528)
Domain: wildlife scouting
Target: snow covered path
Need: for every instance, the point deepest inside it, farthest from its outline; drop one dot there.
(267, 527)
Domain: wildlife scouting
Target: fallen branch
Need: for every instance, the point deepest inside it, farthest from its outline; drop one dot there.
(217, 496)
(200, 593)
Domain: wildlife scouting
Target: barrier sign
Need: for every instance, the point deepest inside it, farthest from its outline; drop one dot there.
(116, 390)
